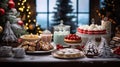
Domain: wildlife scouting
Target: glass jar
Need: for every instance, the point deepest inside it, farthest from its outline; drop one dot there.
(60, 31)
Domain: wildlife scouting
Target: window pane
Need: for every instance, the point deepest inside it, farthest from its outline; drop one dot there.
(42, 20)
(74, 5)
(51, 19)
(41, 5)
(83, 5)
(52, 4)
(83, 19)
(101, 5)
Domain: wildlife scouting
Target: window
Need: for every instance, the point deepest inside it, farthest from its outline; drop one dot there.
(101, 5)
(45, 11)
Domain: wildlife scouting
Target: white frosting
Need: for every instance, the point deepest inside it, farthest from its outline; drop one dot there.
(90, 28)
(92, 25)
(61, 32)
(46, 32)
(95, 29)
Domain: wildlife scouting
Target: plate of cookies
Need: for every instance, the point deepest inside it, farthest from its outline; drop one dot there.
(38, 47)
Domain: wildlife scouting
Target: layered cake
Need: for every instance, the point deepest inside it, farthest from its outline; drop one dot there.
(91, 29)
(68, 53)
(72, 38)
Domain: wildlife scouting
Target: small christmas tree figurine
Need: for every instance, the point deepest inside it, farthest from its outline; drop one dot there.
(104, 49)
(8, 35)
(10, 22)
(91, 48)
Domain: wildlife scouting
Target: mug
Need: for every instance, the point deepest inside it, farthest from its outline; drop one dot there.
(19, 52)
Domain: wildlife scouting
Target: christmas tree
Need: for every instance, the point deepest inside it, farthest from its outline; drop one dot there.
(64, 10)
(10, 22)
(111, 10)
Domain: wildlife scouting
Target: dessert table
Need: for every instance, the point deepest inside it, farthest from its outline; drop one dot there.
(49, 60)
(46, 59)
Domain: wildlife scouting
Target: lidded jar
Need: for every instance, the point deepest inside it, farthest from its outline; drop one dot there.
(60, 31)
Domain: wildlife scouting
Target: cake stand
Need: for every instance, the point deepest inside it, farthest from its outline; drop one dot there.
(85, 37)
(73, 45)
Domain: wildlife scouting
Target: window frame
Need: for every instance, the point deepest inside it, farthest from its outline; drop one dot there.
(77, 12)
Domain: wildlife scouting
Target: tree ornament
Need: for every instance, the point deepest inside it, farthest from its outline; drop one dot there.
(59, 46)
(19, 40)
(31, 26)
(14, 11)
(11, 4)
(91, 48)
(20, 22)
(104, 49)
(2, 11)
(1, 29)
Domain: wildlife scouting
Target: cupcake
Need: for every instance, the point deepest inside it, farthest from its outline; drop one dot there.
(46, 36)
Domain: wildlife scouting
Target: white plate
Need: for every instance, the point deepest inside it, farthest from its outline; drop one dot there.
(32, 52)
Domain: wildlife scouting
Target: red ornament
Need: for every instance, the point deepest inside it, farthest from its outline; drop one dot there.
(2, 11)
(59, 46)
(20, 22)
(11, 4)
(19, 40)
(80, 47)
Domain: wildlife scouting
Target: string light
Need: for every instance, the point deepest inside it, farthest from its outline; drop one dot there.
(26, 24)
(24, 0)
(29, 20)
(34, 20)
(18, 3)
(36, 24)
(22, 4)
(99, 14)
(29, 12)
(28, 16)
(26, 8)
(38, 28)
(40, 31)
(21, 9)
